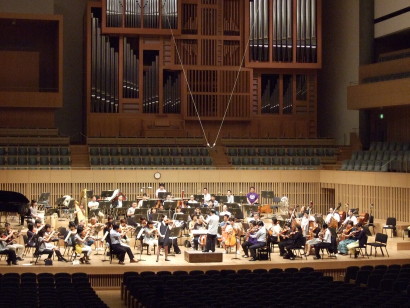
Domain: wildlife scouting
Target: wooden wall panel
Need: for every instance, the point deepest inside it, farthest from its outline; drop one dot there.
(389, 193)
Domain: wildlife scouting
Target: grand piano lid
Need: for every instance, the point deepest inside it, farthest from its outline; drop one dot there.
(12, 197)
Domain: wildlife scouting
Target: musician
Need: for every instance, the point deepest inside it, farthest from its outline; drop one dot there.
(46, 246)
(313, 238)
(331, 214)
(260, 237)
(197, 225)
(161, 189)
(152, 211)
(141, 202)
(192, 200)
(173, 240)
(206, 195)
(359, 238)
(296, 241)
(254, 217)
(163, 228)
(348, 234)
(225, 211)
(214, 201)
(81, 246)
(326, 241)
(4, 250)
(229, 235)
(252, 196)
(131, 210)
(304, 223)
(31, 235)
(350, 217)
(95, 229)
(93, 205)
(229, 197)
(125, 228)
(117, 204)
(149, 234)
(285, 239)
(33, 211)
(80, 213)
(212, 221)
(273, 232)
(249, 241)
(11, 237)
(117, 247)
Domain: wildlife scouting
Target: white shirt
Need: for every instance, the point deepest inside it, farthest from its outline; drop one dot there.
(207, 197)
(353, 219)
(115, 237)
(119, 204)
(230, 199)
(92, 205)
(225, 213)
(140, 203)
(275, 229)
(213, 224)
(335, 216)
(260, 235)
(131, 211)
(328, 236)
(160, 190)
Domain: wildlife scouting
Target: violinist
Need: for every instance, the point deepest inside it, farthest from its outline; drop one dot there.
(359, 236)
(4, 250)
(346, 238)
(81, 245)
(125, 241)
(260, 237)
(285, 240)
(117, 247)
(326, 237)
(296, 241)
(31, 235)
(11, 237)
(249, 240)
(273, 232)
(46, 246)
(150, 233)
(350, 217)
(254, 217)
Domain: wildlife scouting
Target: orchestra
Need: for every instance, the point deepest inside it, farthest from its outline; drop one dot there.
(209, 224)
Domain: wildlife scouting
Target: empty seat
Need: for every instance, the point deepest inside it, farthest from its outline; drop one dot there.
(255, 161)
(22, 151)
(157, 161)
(44, 161)
(203, 152)
(104, 151)
(94, 161)
(165, 151)
(195, 151)
(22, 160)
(126, 161)
(12, 150)
(235, 161)
(155, 151)
(207, 161)
(114, 151)
(197, 161)
(94, 151)
(134, 151)
(232, 151)
(176, 161)
(54, 151)
(44, 151)
(251, 151)
(64, 151)
(187, 161)
(54, 160)
(114, 160)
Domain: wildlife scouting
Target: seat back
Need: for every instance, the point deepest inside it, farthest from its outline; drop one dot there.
(391, 221)
(381, 238)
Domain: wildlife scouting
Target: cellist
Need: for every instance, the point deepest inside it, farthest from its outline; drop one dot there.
(229, 236)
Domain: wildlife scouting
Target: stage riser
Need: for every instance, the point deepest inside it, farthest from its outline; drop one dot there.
(202, 257)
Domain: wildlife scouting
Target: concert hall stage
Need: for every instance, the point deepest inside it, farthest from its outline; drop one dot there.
(106, 275)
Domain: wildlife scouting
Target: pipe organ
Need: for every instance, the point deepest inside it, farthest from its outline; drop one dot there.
(162, 64)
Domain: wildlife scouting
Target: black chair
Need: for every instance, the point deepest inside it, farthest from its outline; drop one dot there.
(351, 273)
(362, 277)
(362, 248)
(299, 251)
(390, 224)
(379, 242)
(263, 253)
(37, 253)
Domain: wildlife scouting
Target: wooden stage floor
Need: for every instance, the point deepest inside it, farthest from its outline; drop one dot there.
(99, 267)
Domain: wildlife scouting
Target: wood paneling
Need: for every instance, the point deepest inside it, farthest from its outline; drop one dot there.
(389, 192)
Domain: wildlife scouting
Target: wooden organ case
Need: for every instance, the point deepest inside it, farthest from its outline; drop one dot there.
(148, 61)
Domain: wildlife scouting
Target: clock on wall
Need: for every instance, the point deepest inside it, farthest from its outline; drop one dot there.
(157, 175)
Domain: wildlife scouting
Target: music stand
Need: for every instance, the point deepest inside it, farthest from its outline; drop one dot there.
(170, 205)
(237, 213)
(43, 200)
(106, 194)
(221, 199)
(90, 194)
(139, 230)
(198, 197)
(251, 208)
(240, 199)
(267, 194)
(188, 210)
(232, 206)
(163, 194)
(174, 232)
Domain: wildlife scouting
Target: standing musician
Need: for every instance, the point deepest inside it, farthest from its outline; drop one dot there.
(131, 210)
(252, 196)
(81, 245)
(346, 238)
(212, 221)
(273, 232)
(117, 247)
(163, 236)
(297, 240)
(206, 195)
(161, 189)
(350, 217)
(11, 254)
(46, 246)
(149, 234)
(326, 237)
(93, 205)
(332, 214)
(10, 237)
(229, 197)
(80, 213)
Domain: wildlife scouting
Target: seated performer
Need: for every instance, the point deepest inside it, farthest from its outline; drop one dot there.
(141, 202)
(326, 237)
(273, 233)
(81, 246)
(313, 238)
(117, 204)
(297, 240)
(260, 237)
(249, 240)
(346, 238)
(33, 211)
(359, 238)
(4, 250)
(332, 214)
(225, 211)
(117, 247)
(46, 246)
(149, 234)
(93, 205)
(11, 237)
(161, 189)
(350, 217)
(212, 221)
(192, 201)
(229, 197)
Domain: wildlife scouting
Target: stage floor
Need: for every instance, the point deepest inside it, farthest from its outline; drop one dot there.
(100, 267)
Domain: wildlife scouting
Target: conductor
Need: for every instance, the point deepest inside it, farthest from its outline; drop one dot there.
(212, 221)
